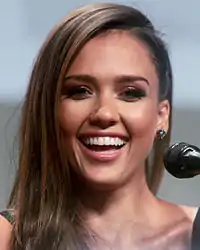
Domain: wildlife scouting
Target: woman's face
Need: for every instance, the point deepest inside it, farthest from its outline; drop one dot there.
(109, 110)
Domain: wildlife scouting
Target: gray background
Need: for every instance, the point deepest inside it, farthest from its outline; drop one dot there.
(24, 25)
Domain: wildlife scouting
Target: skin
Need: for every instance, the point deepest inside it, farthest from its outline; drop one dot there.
(115, 202)
(95, 99)
(108, 62)
(5, 236)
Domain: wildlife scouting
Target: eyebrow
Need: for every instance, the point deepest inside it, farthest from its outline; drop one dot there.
(118, 79)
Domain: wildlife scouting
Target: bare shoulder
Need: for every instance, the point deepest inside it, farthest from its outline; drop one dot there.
(190, 212)
(176, 225)
(5, 233)
(179, 211)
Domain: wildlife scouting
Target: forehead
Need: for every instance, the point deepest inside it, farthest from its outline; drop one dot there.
(115, 53)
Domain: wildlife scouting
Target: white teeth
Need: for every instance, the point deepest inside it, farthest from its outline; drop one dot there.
(104, 141)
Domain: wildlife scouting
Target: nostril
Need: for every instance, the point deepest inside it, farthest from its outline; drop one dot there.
(104, 117)
(102, 123)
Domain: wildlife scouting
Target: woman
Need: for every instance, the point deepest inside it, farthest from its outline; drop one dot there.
(95, 122)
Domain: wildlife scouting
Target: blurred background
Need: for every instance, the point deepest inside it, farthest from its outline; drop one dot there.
(24, 25)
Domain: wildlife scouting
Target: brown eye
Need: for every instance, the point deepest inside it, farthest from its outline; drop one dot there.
(132, 94)
(77, 92)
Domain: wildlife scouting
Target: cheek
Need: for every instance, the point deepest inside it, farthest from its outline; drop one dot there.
(72, 115)
(141, 119)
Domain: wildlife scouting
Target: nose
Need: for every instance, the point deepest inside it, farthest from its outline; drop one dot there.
(105, 115)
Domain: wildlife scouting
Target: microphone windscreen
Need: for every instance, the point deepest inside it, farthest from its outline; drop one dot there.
(174, 161)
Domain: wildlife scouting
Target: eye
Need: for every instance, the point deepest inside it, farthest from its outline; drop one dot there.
(77, 92)
(131, 94)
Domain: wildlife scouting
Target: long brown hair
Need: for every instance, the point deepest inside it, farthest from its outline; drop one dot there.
(42, 195)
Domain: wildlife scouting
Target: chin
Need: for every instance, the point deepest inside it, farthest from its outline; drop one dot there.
(103, 180)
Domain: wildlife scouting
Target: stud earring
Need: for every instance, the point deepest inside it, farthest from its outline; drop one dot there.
(161, 133)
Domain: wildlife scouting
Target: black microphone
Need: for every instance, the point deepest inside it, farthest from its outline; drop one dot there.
(182, 160)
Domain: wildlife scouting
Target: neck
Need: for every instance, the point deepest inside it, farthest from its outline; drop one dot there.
(111, 209)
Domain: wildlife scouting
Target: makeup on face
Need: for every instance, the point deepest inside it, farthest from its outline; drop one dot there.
(108, 108)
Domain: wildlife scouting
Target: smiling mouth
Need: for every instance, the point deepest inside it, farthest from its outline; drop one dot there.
(100, 144)
(102, 148)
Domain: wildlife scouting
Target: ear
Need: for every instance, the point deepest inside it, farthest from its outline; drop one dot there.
(163, 115)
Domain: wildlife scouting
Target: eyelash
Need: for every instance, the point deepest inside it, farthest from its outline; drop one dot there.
(137, 93)
(83, 92)
(77, 92)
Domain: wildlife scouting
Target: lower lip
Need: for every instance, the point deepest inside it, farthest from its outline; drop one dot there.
(103, 156)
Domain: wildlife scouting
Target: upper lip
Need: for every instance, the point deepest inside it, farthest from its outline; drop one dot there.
(103, 134)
